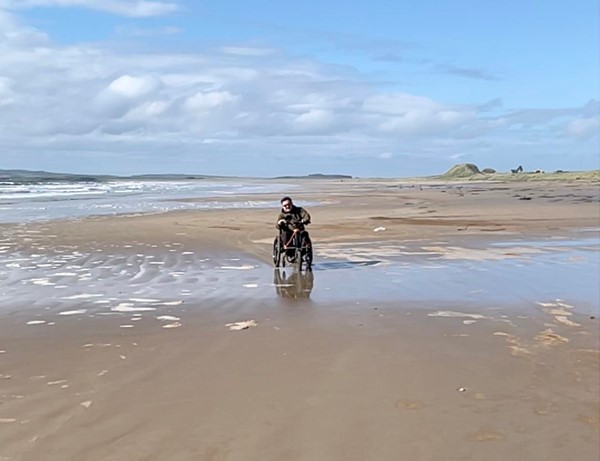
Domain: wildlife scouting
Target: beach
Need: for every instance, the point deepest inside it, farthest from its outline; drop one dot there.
(442, 320)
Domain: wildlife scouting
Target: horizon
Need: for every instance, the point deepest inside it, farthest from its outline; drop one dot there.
(342, 175)
(136, 87)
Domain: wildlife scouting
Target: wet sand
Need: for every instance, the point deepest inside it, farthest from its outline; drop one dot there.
(114, 344)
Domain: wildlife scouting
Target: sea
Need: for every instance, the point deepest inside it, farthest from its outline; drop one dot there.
(59, 200)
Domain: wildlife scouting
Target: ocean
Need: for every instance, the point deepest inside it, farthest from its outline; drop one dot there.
(22, 203)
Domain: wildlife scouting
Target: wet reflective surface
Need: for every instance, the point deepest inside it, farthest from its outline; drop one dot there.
(504, 274)
(292, 284)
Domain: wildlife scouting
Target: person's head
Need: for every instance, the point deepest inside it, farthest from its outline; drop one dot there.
(286, 203)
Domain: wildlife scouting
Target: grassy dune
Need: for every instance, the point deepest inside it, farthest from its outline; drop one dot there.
(470, 172)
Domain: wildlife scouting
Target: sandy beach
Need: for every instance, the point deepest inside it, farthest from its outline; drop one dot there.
(442, 321)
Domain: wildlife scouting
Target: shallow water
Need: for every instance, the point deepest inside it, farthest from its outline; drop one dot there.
(521, 275)
(142, 277)
(63, 200)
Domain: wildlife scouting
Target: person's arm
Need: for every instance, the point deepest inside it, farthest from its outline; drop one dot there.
(305, 215)
(280, 218)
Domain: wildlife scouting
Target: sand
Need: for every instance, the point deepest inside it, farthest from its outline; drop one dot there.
(116, 339)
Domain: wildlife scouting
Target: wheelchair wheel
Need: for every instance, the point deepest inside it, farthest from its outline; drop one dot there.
(298, 258)
(308, 257)
(277, 252)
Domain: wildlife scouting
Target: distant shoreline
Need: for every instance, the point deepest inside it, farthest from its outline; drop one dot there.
(20, 177)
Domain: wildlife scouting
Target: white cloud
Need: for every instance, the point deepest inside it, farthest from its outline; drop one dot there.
(133, 8)
(123, 94)
(149, 109)
(584, 127)
(201, 102)
(15, 35)
(6, 93)
(217, 103)
(246, 51)
(408, 114)
(132, 87)
(314, 121)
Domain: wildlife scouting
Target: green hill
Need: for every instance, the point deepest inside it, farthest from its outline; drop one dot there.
(462, 170)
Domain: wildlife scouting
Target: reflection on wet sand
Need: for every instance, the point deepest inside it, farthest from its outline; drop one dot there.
(294, 284)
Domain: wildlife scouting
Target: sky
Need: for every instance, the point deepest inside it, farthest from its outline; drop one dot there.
(378, 88)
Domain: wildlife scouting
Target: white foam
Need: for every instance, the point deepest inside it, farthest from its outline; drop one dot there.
(36, 322)
(456, 314)
(84, 296)
(128, 307)
(167, 317)
(172, 303)
(243, 325)
(243, 267)
(42, 281)
(172, 325)
(75, 312)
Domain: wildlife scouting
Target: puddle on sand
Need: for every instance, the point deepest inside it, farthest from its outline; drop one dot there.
(101, 282)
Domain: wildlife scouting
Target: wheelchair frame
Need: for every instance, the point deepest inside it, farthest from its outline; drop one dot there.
(298, 253)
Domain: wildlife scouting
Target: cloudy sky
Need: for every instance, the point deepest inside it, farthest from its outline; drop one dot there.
(265, 88)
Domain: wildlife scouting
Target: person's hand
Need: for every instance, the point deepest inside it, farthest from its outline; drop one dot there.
(296, 230)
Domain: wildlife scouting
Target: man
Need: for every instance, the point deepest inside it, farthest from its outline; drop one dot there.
(291, 220)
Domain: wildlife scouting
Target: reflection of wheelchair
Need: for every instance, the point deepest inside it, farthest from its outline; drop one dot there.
(298, 285)
(295, 251)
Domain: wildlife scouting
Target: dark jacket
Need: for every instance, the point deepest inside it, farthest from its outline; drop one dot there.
(297, 217)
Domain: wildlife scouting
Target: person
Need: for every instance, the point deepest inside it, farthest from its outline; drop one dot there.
(292, 219)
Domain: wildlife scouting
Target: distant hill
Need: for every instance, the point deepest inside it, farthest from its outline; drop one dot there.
(470, 172)
(317, 176)
(170, 177)
(462, 170)
(28, 177)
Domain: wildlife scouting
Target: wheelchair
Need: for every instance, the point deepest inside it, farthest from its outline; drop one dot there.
(296, 252)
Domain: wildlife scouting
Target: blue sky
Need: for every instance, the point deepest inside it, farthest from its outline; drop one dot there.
(264, 88)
